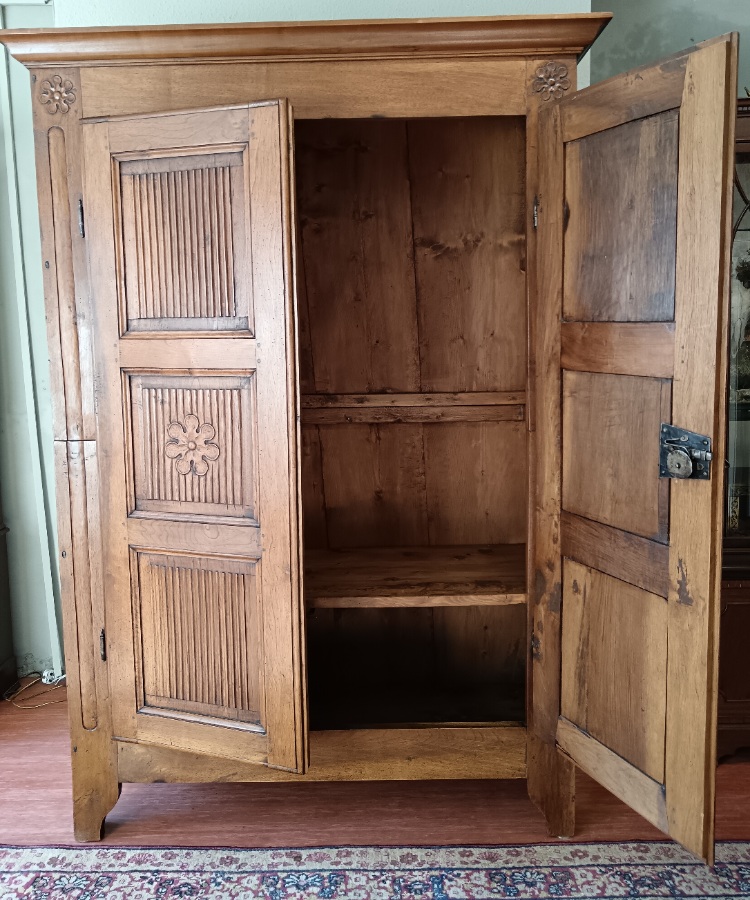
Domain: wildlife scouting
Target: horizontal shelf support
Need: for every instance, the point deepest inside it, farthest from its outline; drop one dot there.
(405, 601)
(374, 414)
(463, 398)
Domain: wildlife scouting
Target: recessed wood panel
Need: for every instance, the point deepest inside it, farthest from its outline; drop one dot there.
(194, 445)
(620, 243)
(183, 232)
(468, 206)
(614, 665)
(611, 451)
(198, 620)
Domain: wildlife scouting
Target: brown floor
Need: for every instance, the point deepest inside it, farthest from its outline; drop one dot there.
(35, 805)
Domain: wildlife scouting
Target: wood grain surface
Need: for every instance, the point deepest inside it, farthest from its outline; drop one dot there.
(485, 35)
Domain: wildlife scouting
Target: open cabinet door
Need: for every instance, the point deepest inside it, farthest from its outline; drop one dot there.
(633, 247)
(188, 220)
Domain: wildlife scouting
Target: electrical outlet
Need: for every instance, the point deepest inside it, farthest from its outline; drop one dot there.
(48, 676)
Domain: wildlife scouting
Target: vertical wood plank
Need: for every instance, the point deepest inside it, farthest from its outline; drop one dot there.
(468, 199)
(551, 778)
(354, 208)
(94, 755)
(313, 497)
(66, 286)
(475, 475)
(272, 247)
(57, 142)
(706, 142)
(375, 489)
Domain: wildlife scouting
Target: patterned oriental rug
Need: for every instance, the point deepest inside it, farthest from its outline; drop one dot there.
(642, 870)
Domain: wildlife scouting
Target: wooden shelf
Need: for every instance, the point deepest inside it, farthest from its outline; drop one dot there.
(416, 576)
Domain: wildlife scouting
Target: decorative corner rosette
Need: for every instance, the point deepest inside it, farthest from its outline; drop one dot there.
(551, 80)
(57, 94)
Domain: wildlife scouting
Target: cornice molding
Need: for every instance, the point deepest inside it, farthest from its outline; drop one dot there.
(563, 35)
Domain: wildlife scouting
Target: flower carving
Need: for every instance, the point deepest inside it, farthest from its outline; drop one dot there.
(191, 445)
(551, 80)
(57, 95)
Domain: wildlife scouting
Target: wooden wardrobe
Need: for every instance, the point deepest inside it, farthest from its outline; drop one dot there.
(373, 347)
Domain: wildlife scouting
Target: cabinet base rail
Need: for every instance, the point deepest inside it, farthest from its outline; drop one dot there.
(378, 754)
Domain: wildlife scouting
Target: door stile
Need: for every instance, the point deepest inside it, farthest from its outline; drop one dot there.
(108, 392)
(289, 203)
(280, 490)
(696, 507)
(551, 776)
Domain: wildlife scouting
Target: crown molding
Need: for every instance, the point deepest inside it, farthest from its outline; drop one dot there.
(567, 35)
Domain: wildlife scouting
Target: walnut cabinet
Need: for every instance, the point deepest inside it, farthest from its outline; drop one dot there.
(365, 340)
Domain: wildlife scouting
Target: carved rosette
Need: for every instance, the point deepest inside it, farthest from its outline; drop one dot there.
(57, 94)
(551, 80)
(190, 445)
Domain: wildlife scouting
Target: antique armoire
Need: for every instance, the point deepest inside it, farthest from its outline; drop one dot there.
(389, 403)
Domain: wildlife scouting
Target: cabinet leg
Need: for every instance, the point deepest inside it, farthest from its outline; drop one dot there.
(95, 787)
(551, 785)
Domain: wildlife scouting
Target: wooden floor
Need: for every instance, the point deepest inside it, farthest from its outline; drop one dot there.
(35, 805)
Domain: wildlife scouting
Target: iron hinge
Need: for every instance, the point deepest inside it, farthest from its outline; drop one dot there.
(103, 645)
(536, 213)
(81, 224)
(684, 454)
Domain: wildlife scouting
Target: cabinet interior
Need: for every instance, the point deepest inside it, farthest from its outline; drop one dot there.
(412, 353)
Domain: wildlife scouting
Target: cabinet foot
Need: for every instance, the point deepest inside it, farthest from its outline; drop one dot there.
(91, 810)
(96, 787)
(551, 784)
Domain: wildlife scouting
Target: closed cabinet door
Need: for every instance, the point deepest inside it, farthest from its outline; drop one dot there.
(634, 239)
(189, 234)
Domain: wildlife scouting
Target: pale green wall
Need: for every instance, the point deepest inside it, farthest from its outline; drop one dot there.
(25, 387)
(157, 12)
(26, 470)
(646, 30)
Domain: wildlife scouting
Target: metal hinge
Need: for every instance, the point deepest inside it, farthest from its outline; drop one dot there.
(103, 645)
(536, 213)
(81, 225)
(684, 454)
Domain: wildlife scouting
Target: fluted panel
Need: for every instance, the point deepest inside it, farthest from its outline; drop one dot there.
(199, 647)
(194, 444)
(180, 228)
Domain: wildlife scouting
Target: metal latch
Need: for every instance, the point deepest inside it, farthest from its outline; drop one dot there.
(683, 454)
